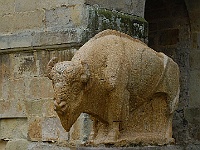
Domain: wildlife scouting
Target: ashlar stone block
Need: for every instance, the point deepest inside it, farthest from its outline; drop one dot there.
(15, 128)
(19, 144)
(6, 7)
(194, 88)
(7, 23)
(35, 128)
(52, 130)
(28, 5)
(28, 20)
(47, 129)
(40, 88)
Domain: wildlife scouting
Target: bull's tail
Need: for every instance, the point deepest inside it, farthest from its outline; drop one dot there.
(169, 83)
(174, 102)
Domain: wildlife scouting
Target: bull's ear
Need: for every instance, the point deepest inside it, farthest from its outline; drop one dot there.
(86, 72)
(50, 65)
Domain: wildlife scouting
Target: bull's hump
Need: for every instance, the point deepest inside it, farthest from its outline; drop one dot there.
(117, 34)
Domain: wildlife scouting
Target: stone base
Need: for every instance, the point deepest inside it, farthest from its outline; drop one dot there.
(22, 144)
(168, 147)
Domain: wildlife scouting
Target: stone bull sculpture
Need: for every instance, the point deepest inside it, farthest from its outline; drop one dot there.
(131, 90)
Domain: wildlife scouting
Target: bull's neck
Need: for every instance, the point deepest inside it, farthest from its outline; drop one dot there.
(76, 109)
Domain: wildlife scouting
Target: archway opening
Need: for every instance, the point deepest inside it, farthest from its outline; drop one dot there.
(169, 32)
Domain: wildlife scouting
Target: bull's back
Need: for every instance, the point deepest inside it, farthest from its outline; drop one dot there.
(101, 53)
(143, 65)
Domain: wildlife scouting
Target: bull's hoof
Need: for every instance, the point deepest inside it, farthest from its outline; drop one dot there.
(112, 137)
(100, 138)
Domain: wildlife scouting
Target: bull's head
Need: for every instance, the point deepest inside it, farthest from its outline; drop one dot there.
(68, 79)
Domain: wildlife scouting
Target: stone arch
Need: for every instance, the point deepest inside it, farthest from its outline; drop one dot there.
(169, 32)
(193, 113)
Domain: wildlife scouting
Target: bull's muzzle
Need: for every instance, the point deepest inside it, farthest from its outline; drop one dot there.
(60, 106)
(64, 114)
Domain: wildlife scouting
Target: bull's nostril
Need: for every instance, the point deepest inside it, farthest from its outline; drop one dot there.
(63, 103)
(60, 112)
(57, 100)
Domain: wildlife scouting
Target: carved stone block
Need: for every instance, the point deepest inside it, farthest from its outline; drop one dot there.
(130, 90)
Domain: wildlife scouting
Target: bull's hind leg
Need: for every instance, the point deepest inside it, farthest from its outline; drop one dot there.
(94, 130)
(118, 99)
(101, 133)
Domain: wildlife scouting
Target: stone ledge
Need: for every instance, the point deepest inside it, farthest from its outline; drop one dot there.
(97, 20)
(33, 38)
(43, 47)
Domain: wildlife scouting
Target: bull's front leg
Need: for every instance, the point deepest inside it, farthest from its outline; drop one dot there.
(118, 98)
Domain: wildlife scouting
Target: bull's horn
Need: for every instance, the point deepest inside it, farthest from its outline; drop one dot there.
(50, 65)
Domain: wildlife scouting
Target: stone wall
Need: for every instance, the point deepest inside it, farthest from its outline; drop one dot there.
(26, 97)
(192, 112)
(134, 7)
(31, 33)
(36, 23)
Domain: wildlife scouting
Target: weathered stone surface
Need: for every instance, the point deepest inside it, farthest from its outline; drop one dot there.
(65, 24)
(168, 147)
(27, 20)
(24, 6)
(45, 126)
(131, 80)
(132, 25)
(134, 7)
(24, 89)
(20, 144)
(49, 4)
(10, 109)
(7, 19)
(6, 7)
(47, 146)
(16, 40)
(192, 7)
(53, 131)
(42, 108)
(194, 56)
(23, 65)
(193, 147)
(194, 84)
(3, 144)
(35, 128)
(79, 132)
(174, 15)
(43, 90)
(13, 128)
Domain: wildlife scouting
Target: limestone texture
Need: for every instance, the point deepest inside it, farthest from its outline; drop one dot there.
(130, 90)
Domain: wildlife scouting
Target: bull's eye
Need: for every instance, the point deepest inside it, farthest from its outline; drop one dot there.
(76, 88)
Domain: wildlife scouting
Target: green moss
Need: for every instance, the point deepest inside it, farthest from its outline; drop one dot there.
(102, 19)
